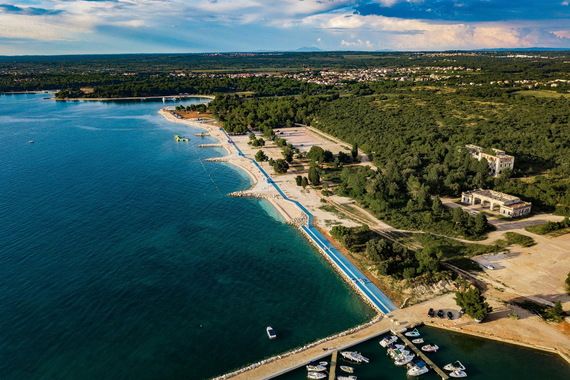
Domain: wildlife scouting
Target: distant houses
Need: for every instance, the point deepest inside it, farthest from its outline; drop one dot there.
(497, 159)
(505, 204)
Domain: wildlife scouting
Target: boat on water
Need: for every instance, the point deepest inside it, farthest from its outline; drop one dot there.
(454, 366)
(347, 369)
(270, 332)
(412, 334)
(396, 353)
(404, 359)
(316, 375)
(417, 369)
(179, 138)
(323, 363)
(31, 142)
(388, 340)
(316, 368)
(354, 356)
(351, 377)
(458, 373)
(418, 341)
(430, 348)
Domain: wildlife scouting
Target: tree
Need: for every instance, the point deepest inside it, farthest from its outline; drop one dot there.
(437, 207)
(304, 182)
(288, 154)
(298, 180)
(555, 313)
(316, 154)
(481, 224)
(314, 176)
(260, 156)
(328, 156)
(280, 166)
(429, 259)
(568, 283)
(378, 249)
(354, 151)
(473, 302)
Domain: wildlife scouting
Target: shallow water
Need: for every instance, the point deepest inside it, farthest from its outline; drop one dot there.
(121, 257)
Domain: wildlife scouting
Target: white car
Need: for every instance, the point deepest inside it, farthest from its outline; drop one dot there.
(489, 266)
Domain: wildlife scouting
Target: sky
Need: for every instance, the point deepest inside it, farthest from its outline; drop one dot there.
(171, 26)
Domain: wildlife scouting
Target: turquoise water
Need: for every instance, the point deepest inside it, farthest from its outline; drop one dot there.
(121, 257)
(484, 359)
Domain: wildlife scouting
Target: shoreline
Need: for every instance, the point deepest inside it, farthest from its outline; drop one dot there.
(211, 97)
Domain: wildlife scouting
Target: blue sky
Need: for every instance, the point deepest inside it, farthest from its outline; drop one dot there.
(130, 26)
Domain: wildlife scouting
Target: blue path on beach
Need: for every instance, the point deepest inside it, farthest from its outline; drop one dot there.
(376, 297)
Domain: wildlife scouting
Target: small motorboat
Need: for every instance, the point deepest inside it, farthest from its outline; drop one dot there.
(454, 366)
(413, 333)
(351, 377)
(418, 341)
(403, 360)
(324, 364)
(354, 356)
(388, 340)
(316, 375)
(31, 142)
(396, 353)
(430, 348)
(458, 373)
(270, 332)
(417, 369)
(347, 369)
(316, 368)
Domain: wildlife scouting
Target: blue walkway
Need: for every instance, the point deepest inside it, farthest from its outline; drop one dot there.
(370, 291)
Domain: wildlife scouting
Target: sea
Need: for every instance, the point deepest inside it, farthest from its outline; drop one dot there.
(122, 257)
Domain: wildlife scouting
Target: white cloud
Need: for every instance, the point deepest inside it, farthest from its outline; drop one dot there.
(357, 44)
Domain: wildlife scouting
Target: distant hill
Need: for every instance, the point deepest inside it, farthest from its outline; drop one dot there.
(308, 49)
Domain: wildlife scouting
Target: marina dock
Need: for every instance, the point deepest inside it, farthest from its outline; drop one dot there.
(422, 355)
(332, 372)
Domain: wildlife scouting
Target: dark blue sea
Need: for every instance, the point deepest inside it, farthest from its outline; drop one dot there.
(121, 256)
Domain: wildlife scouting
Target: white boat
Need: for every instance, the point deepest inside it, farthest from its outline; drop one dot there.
(31, 141)
(324, 364)
(430, 348)
(354, 356)
(454, 366)
(417, 369)
(351, 377)
(395, 353)
(316, 375)
(404, 359)
(388, 340)
(418, 341)
(458, 373)
(347, 369)
(270, 332)
(412, 334)
(316, 368)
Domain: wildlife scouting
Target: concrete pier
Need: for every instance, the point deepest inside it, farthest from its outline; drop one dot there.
(332, 371)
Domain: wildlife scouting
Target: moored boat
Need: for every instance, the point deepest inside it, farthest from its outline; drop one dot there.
(458, 373)
(351, 377)
(418, 341)
(316, 375)
(388, 340)
(323, 363)
(454, 366)
(316, 368)
(347, 369)
(430, 348)
(354, 356)
(417, 369)
(412, 334)
(403, 360)
(270, 332)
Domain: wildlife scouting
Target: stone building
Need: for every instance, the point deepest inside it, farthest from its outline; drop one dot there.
(505, 204)
(498, 160)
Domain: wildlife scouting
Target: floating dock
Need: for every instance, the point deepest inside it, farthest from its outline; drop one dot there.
(210, 146)
(422, 355)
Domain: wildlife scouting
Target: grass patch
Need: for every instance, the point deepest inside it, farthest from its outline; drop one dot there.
(453, 249)
(551, 228)
(519, 239)
(465, 263)
(542, 94)
(548, 313)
